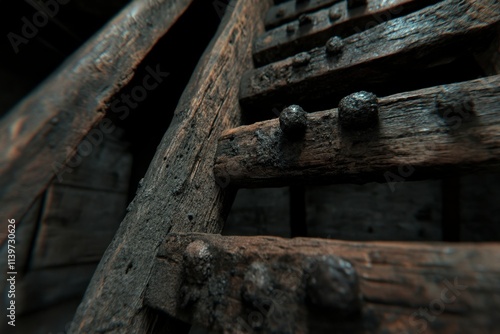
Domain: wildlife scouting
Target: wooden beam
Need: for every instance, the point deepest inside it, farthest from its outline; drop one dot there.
(179, 192)
(290, 10)
(44, 129)
(288, 40)
(292, 285)
(420, 134)
(375, 60)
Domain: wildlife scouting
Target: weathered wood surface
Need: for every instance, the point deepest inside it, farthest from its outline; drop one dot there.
(290, 10)
(420, 134)
(288, 40)
(377, 59)
(46, 127)
(293, 285)
(179, 192)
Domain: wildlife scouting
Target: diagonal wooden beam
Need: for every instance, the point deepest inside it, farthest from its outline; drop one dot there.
(419, 134)
(302, 285)
(376, 59)
(42, 132)
(179, 191)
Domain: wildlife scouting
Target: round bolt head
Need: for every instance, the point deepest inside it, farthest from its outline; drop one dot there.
(358, 111)
(334, 15)
(305, 19)
(301, 59)
(293, 121)
(334, 45)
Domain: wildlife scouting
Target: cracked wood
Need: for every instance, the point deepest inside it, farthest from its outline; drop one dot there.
(420, 134)
(375, 287)
(287, 40)
(179, 192)
(45, 128)
(377, 59)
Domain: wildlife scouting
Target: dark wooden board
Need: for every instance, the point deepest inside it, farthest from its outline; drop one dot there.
(383, 58)
(288, 40)
(179, 191)
(420, 134)
(290, 10)
(374, 287)
(45, 128)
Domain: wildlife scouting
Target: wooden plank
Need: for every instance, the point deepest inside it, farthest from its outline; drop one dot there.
(293, 285)
(40, 289)
(290, 10)
(288, 40)
(421, 134)
(373, 212)
(72, 231)
(382, 59)
(46, 127)
(179, 192)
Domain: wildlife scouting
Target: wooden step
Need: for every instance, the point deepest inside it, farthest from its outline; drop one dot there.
(271, 285)
(290, 10)
(290, 39)
(383, 58)
(421, 134)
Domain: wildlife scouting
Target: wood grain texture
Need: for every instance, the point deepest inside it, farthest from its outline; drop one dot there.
(179, 192)
(48, 125)
(420, 134)
(288, 40)
(375, 58)
(290, 10)
(455, 286)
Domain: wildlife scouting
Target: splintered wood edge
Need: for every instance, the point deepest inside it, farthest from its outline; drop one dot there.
(364, 58)
(41, 133)
(214, 280)
(287, 40)
(420, 134)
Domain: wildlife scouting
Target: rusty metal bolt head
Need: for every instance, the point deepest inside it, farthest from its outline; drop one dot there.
(305, 19)
(293, 121)
(301, 59)
(334, 14)
(358, 111)
(334, 45)
(290, 28)
(331, 283)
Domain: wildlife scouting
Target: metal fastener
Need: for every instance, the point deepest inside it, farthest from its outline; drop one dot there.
(358, 111)
(305, 19)
(334, 14)
(301, 59)
(334, 45)
(293, 121)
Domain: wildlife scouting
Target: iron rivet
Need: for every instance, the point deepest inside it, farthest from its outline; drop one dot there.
(305, 19)
(293, 121)
(334, 45)
(358, 111)
(334, 15)
(301, 59)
